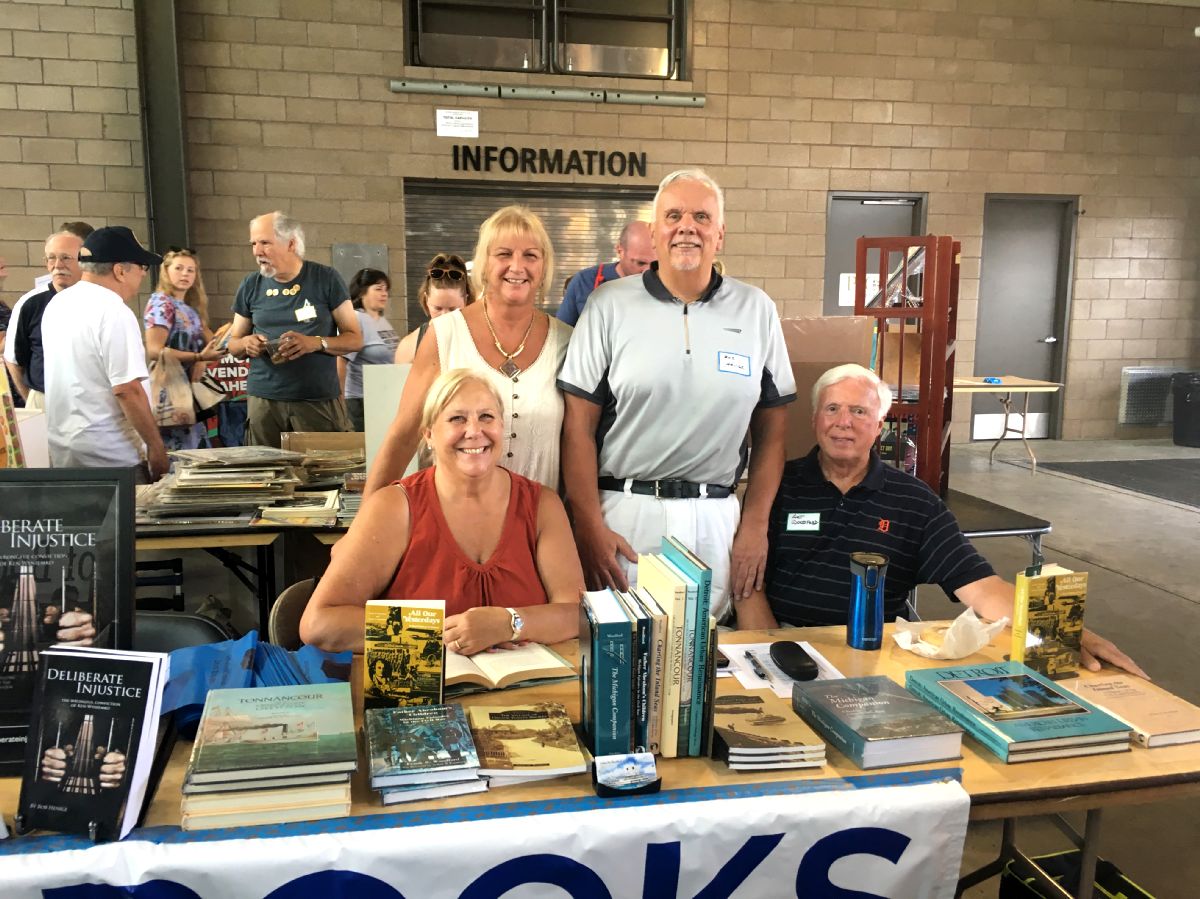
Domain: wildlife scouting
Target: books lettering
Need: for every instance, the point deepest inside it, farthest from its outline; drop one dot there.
(528, 742)
(754, 731)
(1158, 718)
(267, 732)
(657, 665)
(419, 745)
(403, 652)
(93, 736)
(1048, 620)
(1017, 713)
(695, 569)
(527, 664)
(605, 672)
(670, 593)
(876, 722)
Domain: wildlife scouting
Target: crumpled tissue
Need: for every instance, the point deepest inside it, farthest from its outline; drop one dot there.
(968, 633)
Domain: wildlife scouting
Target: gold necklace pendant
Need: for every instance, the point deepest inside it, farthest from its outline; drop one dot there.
(508, 368)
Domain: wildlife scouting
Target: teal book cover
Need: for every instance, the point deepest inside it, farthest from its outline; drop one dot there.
(274, 731)
(409, 740)
(695, 568)
(687, 687)
(608, 670)
(1009, 703)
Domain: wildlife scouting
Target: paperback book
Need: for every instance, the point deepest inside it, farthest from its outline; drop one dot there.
(268, 732)
(1158, 718)
(876, 722)
(759, 730)
(527, 741)
(93, 735)
(1047, 622)
(403, 653)
(417, 792)
(523, 666)
(1017, 713)
(419, 745)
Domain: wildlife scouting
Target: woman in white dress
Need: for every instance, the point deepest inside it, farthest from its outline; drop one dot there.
(507, 338)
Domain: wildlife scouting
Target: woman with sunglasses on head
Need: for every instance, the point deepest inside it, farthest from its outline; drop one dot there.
(446, 287)
(176, 321)
(369, 290)
(504, 337)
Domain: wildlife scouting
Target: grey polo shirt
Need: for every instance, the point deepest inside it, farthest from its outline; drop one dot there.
(677, 382)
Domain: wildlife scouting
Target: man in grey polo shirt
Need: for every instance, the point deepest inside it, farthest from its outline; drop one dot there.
(664, 375)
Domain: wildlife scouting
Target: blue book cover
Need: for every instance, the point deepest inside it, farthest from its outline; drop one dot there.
(687, 688)
(610, 674)
(874, 721)
(1017, 713)
(691, 565)
(416, 743)
(640, 703)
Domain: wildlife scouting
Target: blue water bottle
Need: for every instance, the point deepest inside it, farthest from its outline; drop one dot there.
(864, 627)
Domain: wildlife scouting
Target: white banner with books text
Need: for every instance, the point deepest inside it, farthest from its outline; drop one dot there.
(801, 838)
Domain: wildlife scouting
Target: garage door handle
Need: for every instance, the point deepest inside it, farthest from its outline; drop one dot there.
(1050, 339)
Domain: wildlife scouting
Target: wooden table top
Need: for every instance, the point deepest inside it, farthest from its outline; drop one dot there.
(1008, 384)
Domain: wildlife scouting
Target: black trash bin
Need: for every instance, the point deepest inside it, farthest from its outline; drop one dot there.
(1186, 386)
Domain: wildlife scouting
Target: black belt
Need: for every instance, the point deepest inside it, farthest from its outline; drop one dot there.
(665, 489)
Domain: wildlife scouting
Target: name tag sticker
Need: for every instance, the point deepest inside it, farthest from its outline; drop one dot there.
(804, 521)
(306, 313)
(733, 363)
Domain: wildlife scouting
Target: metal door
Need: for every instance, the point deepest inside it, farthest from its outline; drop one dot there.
(854, 215)
(1023, 296)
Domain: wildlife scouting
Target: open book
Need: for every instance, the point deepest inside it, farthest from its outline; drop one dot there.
(530, 662)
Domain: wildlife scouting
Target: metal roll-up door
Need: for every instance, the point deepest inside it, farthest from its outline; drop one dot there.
(583, 223)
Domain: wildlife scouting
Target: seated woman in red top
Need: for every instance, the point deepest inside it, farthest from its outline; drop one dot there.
(494, 545)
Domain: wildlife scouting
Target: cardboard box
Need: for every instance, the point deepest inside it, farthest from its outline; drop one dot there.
(816, 345)
(303, 441)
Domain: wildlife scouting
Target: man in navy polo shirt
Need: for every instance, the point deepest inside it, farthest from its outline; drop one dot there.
(841, 498)
(635, 252)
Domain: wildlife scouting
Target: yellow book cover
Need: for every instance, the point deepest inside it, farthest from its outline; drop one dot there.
(671, 595)
(1047, 621)
(403, 652)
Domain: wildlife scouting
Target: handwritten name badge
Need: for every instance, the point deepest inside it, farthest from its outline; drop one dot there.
(804, 521)
(306, 313)
(733, 363)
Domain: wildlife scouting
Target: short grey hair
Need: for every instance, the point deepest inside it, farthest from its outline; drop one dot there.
(840, 373)
(693, 175)
(286, 229)
(103, 269)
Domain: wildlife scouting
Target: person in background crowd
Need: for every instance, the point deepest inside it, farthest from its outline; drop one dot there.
(505, 338)
(665, 374)
(291, 318)
(5, 316)
(96, 402)
(176, 322)
(496, 546)
(845, 494)
(24, 356)
(635, 252)
(369, 290)
(446, 287)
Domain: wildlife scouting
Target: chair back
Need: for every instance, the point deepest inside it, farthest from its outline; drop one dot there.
(167, 631)
(283, 627)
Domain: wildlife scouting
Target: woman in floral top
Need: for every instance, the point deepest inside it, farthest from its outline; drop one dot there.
(177, 319)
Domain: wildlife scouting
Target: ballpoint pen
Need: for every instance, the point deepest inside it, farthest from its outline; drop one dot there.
(757, 666)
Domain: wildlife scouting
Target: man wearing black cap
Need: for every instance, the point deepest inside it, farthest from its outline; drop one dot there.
(97, 409)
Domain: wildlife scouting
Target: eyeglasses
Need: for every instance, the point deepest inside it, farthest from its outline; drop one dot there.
(52, 258)
(452, 274)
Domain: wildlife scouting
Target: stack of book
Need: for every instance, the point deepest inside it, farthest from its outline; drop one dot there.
(308, 508)
(1018, 714)
(759, 732)
(222, 485)
(524, 743)
(271, 755)
(875, 722)
(350, 500)
(327, 467)
(648, 659)
(421, 752)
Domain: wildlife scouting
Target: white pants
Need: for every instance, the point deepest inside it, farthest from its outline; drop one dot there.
(35, 400)
(705, 526)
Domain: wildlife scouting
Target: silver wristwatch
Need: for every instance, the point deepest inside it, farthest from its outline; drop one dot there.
(518, 624)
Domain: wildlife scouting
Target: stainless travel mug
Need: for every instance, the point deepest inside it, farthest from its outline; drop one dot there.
(864, 626)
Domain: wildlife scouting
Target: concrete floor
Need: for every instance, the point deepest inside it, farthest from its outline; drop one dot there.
(1143, 593)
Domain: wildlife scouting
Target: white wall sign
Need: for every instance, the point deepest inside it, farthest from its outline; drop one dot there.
(458, 123)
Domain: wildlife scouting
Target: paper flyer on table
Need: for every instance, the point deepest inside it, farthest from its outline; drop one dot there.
(780, 683)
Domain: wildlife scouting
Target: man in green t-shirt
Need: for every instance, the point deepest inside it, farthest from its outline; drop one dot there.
(291, 318)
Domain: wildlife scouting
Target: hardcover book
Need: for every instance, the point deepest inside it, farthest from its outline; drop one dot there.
(234, 801)
(92, 741)
(750, 727)
(605, 672)
(532, 740)
(671, 595)
(522, 666)
(687, 686)
(403, 652)
(1017, 713)
(698, 571)
(417, 792)
(876, 722)
(1047, 622)
(266, 732)
(419, 744)
(1158, 718)
(657, 665)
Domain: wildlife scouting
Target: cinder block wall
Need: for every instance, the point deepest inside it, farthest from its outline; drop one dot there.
(287, 106)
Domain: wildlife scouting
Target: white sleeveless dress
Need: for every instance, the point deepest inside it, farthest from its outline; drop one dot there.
(533, 404)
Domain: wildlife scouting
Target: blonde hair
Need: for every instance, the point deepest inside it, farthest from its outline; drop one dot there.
(501, 223)
(196, 296)
(445, 386)
(447, 262)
